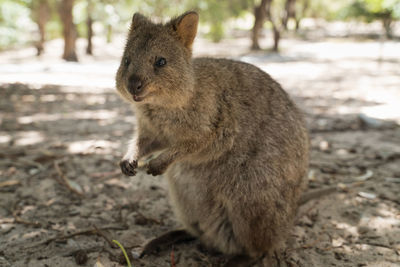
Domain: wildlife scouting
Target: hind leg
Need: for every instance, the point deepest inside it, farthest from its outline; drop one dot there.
(240, 261)
(166, 240)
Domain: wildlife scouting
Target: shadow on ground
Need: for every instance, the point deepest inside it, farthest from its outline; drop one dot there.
(63, 198)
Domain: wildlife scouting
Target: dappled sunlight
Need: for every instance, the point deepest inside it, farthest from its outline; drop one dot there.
(87, 88)
(78, 115)
(61, 78)
(346, 226)
(4, 138)
(385, 211)
(380, 224)
(92, 146)
(95, 99)
(34, 234)
(28, 138)
(64, 129)
(24, 67)
(384, 112)
(38, 117)
(48, 98)
(94, 115)
(28, 98)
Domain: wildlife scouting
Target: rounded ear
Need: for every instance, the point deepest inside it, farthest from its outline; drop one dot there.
(186, 27)
(137, 20)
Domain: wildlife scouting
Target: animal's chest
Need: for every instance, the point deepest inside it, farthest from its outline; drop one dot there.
(169, 126)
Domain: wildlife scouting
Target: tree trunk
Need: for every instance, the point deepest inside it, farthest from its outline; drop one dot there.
(387, 25)
(306, 4)
(275, 27)
(69, 30)
(259, 15)
(277, 37)
(290, 12)
(41, 18)
(89, 25)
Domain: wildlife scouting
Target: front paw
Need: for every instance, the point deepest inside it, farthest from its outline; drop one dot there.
(128, 168)
(156, 167)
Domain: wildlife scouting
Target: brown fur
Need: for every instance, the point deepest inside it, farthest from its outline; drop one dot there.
(234, 146)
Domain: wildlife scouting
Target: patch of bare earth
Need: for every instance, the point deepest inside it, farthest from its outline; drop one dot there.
(63, 199)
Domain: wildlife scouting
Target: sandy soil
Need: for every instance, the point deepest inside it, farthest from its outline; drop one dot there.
(64, 129)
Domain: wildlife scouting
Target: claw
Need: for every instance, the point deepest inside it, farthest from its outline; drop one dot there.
(156, 167)
(153, 171)
(128, 168)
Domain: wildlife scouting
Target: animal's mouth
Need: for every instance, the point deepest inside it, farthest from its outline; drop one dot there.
(139, 95)
(138, 98)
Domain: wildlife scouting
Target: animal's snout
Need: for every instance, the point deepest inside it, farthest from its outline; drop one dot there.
(135, 85)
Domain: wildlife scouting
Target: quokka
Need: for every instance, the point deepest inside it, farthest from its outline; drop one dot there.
(232, 145)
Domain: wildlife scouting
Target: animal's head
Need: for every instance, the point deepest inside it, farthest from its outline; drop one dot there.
(156, 65)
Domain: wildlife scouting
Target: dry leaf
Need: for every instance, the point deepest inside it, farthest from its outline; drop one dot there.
(9, 183)
(98, 264)
(367, 195)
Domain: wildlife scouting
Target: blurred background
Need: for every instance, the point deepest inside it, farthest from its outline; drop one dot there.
(79, 42)
(63, 128)
(36, 22)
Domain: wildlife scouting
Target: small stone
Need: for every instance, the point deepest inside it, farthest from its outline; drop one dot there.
(363, 230)
(33, 171)
(81, 257)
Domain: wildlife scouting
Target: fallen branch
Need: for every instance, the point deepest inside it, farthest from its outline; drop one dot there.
(64, 181)
(340, 187)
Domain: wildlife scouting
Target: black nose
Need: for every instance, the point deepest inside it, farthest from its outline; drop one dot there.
(135, 85)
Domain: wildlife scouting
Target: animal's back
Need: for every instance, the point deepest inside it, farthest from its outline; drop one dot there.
(244, 200)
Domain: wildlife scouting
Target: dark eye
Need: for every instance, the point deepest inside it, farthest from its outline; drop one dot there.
(160, 62)
(126, 62)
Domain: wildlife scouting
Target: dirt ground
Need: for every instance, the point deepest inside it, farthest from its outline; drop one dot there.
(63, 199)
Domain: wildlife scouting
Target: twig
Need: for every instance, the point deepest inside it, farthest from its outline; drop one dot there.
(316, 194)
(120, 217)
(21, 162)
(312, 244)
(300, 215)
(104, 235)
(90, 231)
(9, 183)
(378, 245)
(18, 219)
(345, 187)
(149, 219)
(64, 181)
(364, 177)
(105, 175)
(309, 245)
(32, 163)
(173, 258)
(389, 199)
(86, 250)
